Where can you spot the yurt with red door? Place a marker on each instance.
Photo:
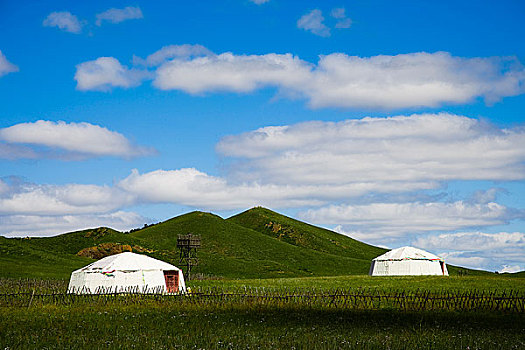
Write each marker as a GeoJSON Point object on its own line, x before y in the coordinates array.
{"type": "Point", "coordinates": [127, 273]}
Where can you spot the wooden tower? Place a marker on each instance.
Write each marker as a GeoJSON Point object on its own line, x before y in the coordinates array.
{"type": "Point", "coordinates": [188, 245]}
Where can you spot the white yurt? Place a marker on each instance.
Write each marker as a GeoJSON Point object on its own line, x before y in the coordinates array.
{"type": "Point", "coordinates": [408, 261]}
{"type": "Point", "coordinates": [127, 273]}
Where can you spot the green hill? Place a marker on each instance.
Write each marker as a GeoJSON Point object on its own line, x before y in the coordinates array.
{"type": "Point", "coordinates": [257, 243]}
{"type": "Point", "coordinates": [233, 250]}
{"type": "Point", "coordinates": [52, 257]}
{"type": "Point", "coordinates": [303, 235]}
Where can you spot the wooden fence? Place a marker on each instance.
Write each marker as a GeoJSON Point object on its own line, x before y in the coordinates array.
{"type": "Point", "coordinates": [353, 299]}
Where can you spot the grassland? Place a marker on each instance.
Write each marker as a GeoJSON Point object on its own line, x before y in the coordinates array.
{"type": "Point", "coordinates": [212, 327]}
{"type": "Point", "coordinates": [408, 283]}
{"type": "Point", "coordinates": [126, 322]}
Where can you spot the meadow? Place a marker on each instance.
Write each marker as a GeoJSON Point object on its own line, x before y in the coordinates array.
{"type": "Point", "coordinates": [247, 314]}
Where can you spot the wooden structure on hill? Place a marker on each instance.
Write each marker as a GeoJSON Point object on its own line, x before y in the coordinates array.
{"type": "Point", "coordinates": [188, 245]}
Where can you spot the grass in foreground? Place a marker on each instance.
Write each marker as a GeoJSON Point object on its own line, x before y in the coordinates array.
{"type": "Point", "coordinates": [167, 323]}
{"type": "Point", "coordinates": [216, 327]}
{"type": "Point", "coordinates": [407, 283]}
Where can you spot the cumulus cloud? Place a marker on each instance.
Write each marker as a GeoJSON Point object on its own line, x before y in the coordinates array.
{"type": "Point", "coordinates": [72, 139]}
{"type": "Point", "coordinates": [228, 72]}
{"type": "Point", "coordinates": [65, 21]}
{"type": "Point", "coordinates": [191, 187]}
{"type": "Point", "coordinates": [28, 209]}
{"type": "Point", "coordinates": [106, 73]}
{"type": "Point", "coordinates": [194, 188]}
{"type": "Point", "coordinates": [313, 22]}
{"type": "Point", "coordinates": [169, 52]}
{"type": "Point", "coordinates": [486, 196]}
{"type": "Point", "coordinates": [340, 15]}
{"type": "Point", "coordinates": [411, 80]}
{"type": "Point", "coordinates": [511, 269]}
{"type": "Point", "coordinates": [464, 241]}
{"type": "Point", "coordinates": [378, 221]}
{"type": "Point", "coordinates": [465, 259]}
{"type": "Point", "coordinates": [29, 199]}
{"type": "Point", "coordinates": [115, 15]}
{"type": "Point", "coordinates": [11, 152]}
{"type": "Point", "coordinates": [41, 226]}
{"type": "Point", "coordinates": [377, 82]}
{"type": "Point", "coordinates": [6, 66]}
{"type": "Point", "coordinates": [424, 147]}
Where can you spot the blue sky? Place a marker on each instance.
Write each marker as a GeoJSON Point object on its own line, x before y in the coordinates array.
{"type": "Point", "coordinates": [397, 123]}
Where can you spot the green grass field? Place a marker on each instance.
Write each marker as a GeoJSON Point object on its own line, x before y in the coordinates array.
{"type": "Point", "coordinates": [126, 322]}
{"type": "Point", "coordinates": [408, 283]}
{"type": "Point", "coordinates": [212, 327]}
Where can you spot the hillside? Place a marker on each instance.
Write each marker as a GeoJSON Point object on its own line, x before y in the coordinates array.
{"type": "Point", "coordinates": [53, 257]}
{"type": "Point", "coordinates": [257, 243]}
{"type": "Point", "coordinates": [232, 250]}
{"type": "Point", "coordinates": [300, 234]}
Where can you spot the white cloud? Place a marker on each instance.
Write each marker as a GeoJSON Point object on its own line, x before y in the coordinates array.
{"type": "Point", "coordinates": [504, 259]}
{"type": "Point", "coordinates": [489, 195]}
{"type": "Point", "coordinates": [343, 21]}
{"type": "Point", "coordinates": [119, 15]}
{"type": "Point", "coordinates": [64, 20]}
{"type": "Point", "coordinates": [228, 72]}
{"type": "Point", "coordinates": [259, 2]}
{"type": "Point", "coordinates": [185, 51]}
{"type": "Point", "coordinates": [511, 269]}
{"type": "Point", "coordinates": [194, 188]}
{"type": "Point", "coordinates": [377, 82]}
{"type": "Point", "coordinates": [105, 73]}
{"type": "Point", "coordinates": [11, 152]}
{"type": "Point", "coordinates": [75, 139]}
{"type": "Point", "coordinates": [40, 226]}
{"type": "Point", "coordinates": [478, 241]}
{"type": "Point", "coordinates": [410, 80]}
{"type": "Point", "coordinates": [6, 66]}
{"type": "Point", "coordinates": [28, 209]}
{"type": "Point", "coordinates": [313, 22]}
{"type": "Point", "coordinates": [426, 147]}
{"type": "Point", "coordinates": [4, 187]}
{"type": "Point", "coordinates": [465, 259]}
{"type": "Point", "coordinates": [338, 12]}
{"type": "Point", "coordinates": [58, 200]}
{"type": "Point", "coordinates": [376, 222]}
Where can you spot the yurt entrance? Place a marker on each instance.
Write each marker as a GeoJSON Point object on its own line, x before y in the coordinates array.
{"type": "Point", "coordinates": [442, 264]}
{"type": "Point", "coordinates": [172, 281]}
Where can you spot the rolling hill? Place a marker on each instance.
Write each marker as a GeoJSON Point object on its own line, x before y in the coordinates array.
{"type": "Point", "coordinates": [257, 243]}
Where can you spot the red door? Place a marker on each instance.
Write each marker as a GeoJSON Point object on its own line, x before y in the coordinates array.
{"type": "Point", "coordinates": [172, 281]}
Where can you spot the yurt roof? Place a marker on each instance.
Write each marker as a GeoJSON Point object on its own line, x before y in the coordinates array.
{"type": "Point", "coordinates": [407, 253]}
{"type": "Point", "coordinates": [128, 261]}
